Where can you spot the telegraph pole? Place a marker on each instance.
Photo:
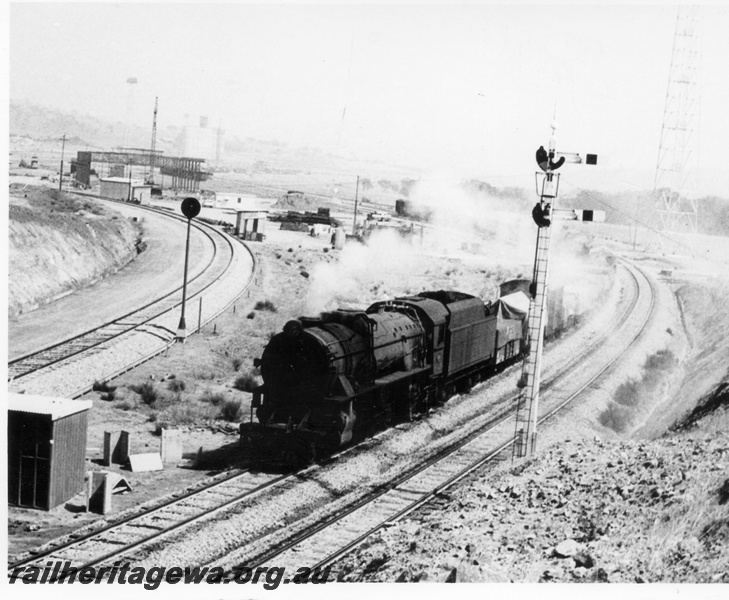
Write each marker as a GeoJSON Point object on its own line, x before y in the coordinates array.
{"type": "Point", "coordinates": [150, 179]}
{"type": "Point", "coordinates": [356, 195]}
{"type": "Point", "coordinates": [547, 182]}
{"type": "Point", "coordinates": [63, 148]}
{"type": "Point", "coordinates": [129, 195]}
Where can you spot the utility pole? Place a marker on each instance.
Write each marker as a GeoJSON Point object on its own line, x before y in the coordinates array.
{"type": "Point", "coordinates": [354, 221]}
{"type": "Point", "coordinates": [547, 182]}
{"type": "Point", "coordinates": [63, 148]}
{"type": "Point", "coordinates": [129, 196]}
{"type": "Point", "coordinates": [150, 179]}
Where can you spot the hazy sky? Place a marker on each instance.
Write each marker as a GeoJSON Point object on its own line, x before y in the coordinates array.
{"type": "Point", "coordinates": [471, 88]}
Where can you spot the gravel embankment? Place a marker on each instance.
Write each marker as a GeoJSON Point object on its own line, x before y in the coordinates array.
{"type": "Point", "coordinates": [590, 510]}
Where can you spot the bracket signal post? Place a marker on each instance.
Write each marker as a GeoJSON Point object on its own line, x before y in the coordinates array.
{"type": "Point", "coordinates": [543, 213]}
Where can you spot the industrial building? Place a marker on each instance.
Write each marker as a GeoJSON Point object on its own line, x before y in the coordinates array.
{"type": "Point", "coordinates": [46, 449]}
{"type": "Point", "coordinates": [201, 141]}
{"type": "Point", "coordinates": [237, 201]}
{"type": "Point", "coordinates": [120, 188]}
{"type": "Point", "coordinates": [185, 173]}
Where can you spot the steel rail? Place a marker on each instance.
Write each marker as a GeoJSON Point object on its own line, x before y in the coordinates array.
{"type": "Point", "coordinates": [130, 520]}
{"type": "Point", "coordinates": [174, 501]}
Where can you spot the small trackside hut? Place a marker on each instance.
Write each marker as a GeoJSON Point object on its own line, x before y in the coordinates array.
{"type": "Point", "coordinates": [46, 449]}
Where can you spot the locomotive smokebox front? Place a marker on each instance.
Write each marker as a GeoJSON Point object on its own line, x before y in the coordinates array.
{"type": "Point", "coordinates": [303, 363]}
{"type": "Point", "coordinates": [293, 360]}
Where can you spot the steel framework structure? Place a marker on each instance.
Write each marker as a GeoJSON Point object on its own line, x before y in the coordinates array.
{"type": "Point", "coordinates": [186, 173]}
{"type": "Point", "coordinates": [676, 168]}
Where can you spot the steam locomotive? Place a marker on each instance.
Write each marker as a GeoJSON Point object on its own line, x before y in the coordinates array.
{"type": "Point", "coordinates": [348, 373]}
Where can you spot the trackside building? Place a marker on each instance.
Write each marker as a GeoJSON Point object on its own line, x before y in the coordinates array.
{"type": "Point", "coordinates": [46, 449]}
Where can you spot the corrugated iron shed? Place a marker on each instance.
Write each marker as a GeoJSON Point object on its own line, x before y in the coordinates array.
{"type": "Point", "coordinates": [46, 449]}
{"type": "Point", "coordinates": [56, 408]}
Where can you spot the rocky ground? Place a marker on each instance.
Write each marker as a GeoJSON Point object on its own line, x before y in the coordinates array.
{"type": "Point", "coordinates": [584, 511]}
{"type": "Point", "coordinates": [640, 504]}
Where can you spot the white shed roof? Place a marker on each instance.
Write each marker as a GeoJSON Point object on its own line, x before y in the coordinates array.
{"type": "Point", "coordinates": [56, 408]}
{"type": "Point", "coordinates": [125, 180]}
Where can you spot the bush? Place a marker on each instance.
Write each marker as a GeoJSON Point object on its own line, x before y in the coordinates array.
{"type": "Point", "coordinates": [237, 363]}
{"type": "Point", "coordinates": [188, 413]}
{"type": "Point", "coordinates": [103, 386]}
{"type": "Point", "coordinates": [108, 396]}
{"type": "Point", "coordinates": [265, 305]}
{"type": "Point", "coordinates": [663, 359]}
{"type": "Point", "coordinates": [615, 417]}
{"type": "Point", "coordinates": [627, 393]}
{"type": "Point", "coordinates": [214, 398]}
{"type": "Point", "coordinates": [250, 315]}
{"type": "Point", "coordinates": [203, 374]}
{"type": "Point", "coordinates": [231, 411]}
{"type": "Point", "coordinates": [176, 385]}
{"type": "Point", "coordinates": [147, 391]}
{"type": "Point", "coordinates": [125, 404]}
{"type": "Point", "coordinates": [247, 382]}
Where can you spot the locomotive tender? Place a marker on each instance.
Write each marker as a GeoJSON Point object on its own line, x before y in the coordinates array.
{"type": "Point", "coordinates": [347, 373]}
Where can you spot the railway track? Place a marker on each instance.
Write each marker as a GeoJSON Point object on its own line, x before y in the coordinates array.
{"type": "Point", "coordinates": [154, 319]}
{"type": "Point", "coordinates": [332, 538]}
{"type": "Point", "coordinates": [123, 537]}
{"type": "Point", "coordinates": [50, 355]}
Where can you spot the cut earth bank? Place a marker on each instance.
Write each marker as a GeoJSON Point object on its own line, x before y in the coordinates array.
{"type": "Point", "coordinates": [61, 242]}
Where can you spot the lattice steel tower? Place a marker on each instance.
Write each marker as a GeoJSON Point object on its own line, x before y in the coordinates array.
{"type": "Point", "coordinates": [676, 171]}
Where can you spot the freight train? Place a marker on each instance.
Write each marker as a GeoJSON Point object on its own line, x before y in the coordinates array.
{"type": "Point", "coordinates": [343, 375]}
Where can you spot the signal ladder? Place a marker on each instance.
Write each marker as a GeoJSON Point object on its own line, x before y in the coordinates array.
{"type": "Point", "coordinates": [525, 434]}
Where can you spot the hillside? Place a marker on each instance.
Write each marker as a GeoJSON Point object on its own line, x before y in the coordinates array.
{"type": "Point", "coordinates": [58, 243]}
